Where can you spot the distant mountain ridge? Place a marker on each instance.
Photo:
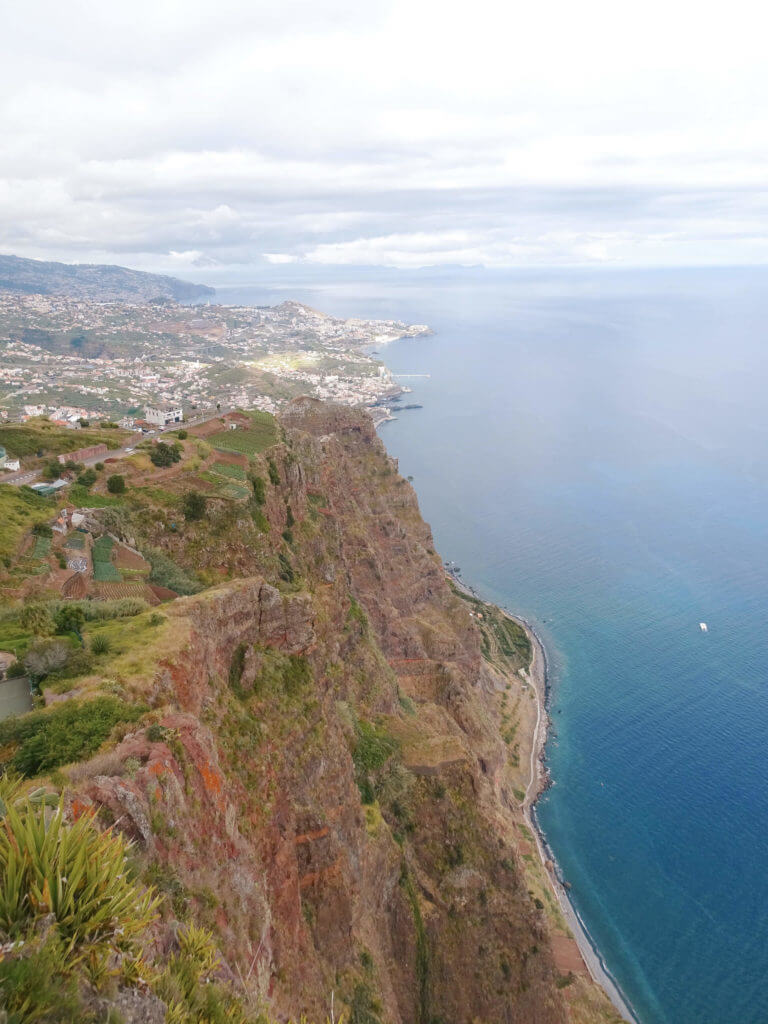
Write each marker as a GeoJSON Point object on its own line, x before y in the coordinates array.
{"type": "Point", "coordinates": [96, 282]}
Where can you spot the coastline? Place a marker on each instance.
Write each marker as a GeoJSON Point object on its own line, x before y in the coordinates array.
{"type": "Point", "coordinates": [538, 676]}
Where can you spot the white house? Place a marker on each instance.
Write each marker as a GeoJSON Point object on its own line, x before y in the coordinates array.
{"type": "Point", "coordinates": [162, 415]}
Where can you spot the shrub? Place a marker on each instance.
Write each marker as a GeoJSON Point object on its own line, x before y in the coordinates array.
{"type": "Point", "coordinates": [285, 571]}
{"type": "Point", "coordinates": [156, 619]}
{"type": "Point", "coordinates": [373, 748]}
{"type": "Point", "coordinates": [274, 475]}
{"type": "Point", "coordinates": [116, 484]}
{"type": "Point", "coordinates": [259, 489]}
{"type": "Point", "coordinates": [88, 478]}
{"type": "Point", "coordinates": [236, 667]}
{"type": "Point", "coordinates": [70, 619]}
{"type": "Point", "coordinates": [42, 530]}
{"type": "Point", "coordinates": [156, 733]}
{"type": "Point", "coordinates": [79, 663]}
{"type": "Point", "coordinates": [15, 670]}
{"type": "Point", "coordinates": [45, 657]}
{"type": "Point", "coordinates": [194, 505]}
{"type": "Point", "coordinates": [47, 739]}
{"type": "Point", "coordinates": [100, 644]}
{"type": "Point", "coordinates": [98, 466]}
{"type": "Point", "coordinates": [36, 618]}
{"type": "Point", "coordinates": [182, 435]}
{"type": "Point", "coordinates": [99, 611]}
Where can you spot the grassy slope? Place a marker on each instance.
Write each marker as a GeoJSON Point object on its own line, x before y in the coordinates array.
{"type": "Point", "coordinates": [20, 509]}
{"type": "Point", "coordinates": [24, 440]}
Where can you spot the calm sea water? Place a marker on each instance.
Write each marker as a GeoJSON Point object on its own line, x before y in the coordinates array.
{"type": "Point", "coordinates": [593, 452]}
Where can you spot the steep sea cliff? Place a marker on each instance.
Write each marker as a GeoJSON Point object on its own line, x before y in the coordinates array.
{"type": "Point", "coordinates": [332, 769]}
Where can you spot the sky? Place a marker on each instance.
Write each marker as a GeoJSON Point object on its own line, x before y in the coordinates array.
{"type": "Point", "coordinates": [214, 140]}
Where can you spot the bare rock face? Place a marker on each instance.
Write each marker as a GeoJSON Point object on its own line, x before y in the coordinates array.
{"type": "Point", "coordinates": [245, 612]}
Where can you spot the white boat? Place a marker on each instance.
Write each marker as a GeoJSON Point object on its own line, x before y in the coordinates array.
{"type": "Point", "coordinates": [703, 627]}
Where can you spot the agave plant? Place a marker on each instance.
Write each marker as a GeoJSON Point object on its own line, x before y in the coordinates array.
{"type": "Point", "coordinates": [69, 873]}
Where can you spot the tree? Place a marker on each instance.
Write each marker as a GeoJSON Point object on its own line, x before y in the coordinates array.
{"type": "Point", "coordinates": [116, 484]}
{"type": "Point", "coordinates": [42, 530]}
{"type": "Point", "coordinates": [53, 470]}
{"type": "Point", "coordinates": [182, 435]}
{"type": "Point", "coordinates": [70, 619]}
{"type": "Point", "coordinates": [165, 454]}
{"type": "Point", "coordinates": [37, 619]}
{"type": "Point", "coordinates": [194, 505]}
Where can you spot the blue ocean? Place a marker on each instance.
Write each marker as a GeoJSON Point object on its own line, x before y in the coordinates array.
{"type": "Point", "coordinates": [593, 452]}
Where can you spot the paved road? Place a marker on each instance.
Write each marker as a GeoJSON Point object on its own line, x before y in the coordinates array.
{"type": "Point", "coordinates": [22, 477]}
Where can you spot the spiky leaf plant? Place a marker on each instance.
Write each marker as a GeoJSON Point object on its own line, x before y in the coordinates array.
{"type": "Point", "coordinates": [71, 875]}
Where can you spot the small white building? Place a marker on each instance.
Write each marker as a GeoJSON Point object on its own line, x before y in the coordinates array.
{"type": "Point", "coordinates": [162, 415]}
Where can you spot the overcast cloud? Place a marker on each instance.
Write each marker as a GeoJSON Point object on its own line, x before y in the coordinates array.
{"type": "Point", "coordinates": [194, 137]}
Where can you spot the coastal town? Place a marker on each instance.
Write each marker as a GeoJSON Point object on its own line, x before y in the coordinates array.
{"type": "Point", "coordinates": [74, 360]}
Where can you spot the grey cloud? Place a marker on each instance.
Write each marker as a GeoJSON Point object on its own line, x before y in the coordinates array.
{"type": "Point", "coordinates": [330, 130]}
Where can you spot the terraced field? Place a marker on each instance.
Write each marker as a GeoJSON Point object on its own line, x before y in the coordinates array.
{"type": "Point", "coordinates": [224, 469]}
{"type": "Point", "coordinates": [105, 572]}
{"type": "Point", "coordinates": [42, 547]}
{"type": "Point", "coordinates": [234, 491]}
{"type": "Point", "coordinates": [103, 569]}
{"type": "Point", "coordinates": [261, 435]}
{"type": "Point", "coordinates": [115, 591]}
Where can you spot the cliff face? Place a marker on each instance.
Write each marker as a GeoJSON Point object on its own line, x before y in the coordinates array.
{"type": "Point", "coordinates": [327, 785]}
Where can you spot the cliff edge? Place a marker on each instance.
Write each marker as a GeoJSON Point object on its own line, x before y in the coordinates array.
{"type": "Point", "coordinates": [332, 756]}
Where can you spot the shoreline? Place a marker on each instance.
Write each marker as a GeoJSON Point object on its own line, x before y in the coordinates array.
{"type": "Point", "coordinates": [538, 676]}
